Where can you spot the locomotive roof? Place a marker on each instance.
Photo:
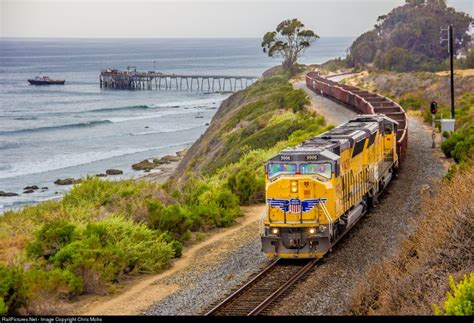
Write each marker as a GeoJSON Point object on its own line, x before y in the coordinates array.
{"type": "Point", "coordinates": [330, 144]}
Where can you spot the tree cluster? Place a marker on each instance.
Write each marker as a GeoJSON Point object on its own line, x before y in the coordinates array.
{"type": "Point", "coordinates": [409, 37]}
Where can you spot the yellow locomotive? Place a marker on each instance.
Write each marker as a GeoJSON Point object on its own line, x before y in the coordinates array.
{"type": "Point", "coordinates": [317, 191]}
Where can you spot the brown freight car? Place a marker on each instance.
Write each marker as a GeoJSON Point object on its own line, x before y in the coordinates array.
{"type": "Point", "coordinates": [363, 102]}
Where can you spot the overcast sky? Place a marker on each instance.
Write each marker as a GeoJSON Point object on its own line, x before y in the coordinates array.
{"type": "Point", "coordinates": [198, 18]}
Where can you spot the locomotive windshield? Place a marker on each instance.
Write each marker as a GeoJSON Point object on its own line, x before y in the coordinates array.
{"type": "Point", "coordinates": [277, 169]}
{"type": "Point", "coordinates": [323, 169]}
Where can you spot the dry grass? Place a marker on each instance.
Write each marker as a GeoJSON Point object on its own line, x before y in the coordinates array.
{"type": "Point", "coordinates": [468, 72]}
{"type": "Point", "coordinates": [429, 86]}
{"type": "Point", "coordinates": [410, 282]}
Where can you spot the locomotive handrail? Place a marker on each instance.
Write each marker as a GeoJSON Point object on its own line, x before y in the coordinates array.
{"type": "Point", "coordinates": [328, 217]}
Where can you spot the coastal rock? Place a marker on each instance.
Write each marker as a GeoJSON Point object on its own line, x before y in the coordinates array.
{"type": "Point", "coordinates": [67, 181]}
{"type": "Point", "coordinates": [44, 188]}
{"type": "Point", "coordinates": [181, 153]}
{"type": "Point", "coordinates": [169, 159]}
{"type": "Point", "coordinates": [28, 191]}
{"type": "Point", "coordinates": [207, 123]}
{"type": "Point", "coordinates": [6, 194]}
{"type": "Point", "coordinates": [114, 172]}
{"type": "Point", "coordinates": [33, 187]}
{"type": "Point", "coordinates": [101, 175]}
{"type": "Point", "coordinates": [145, 165]}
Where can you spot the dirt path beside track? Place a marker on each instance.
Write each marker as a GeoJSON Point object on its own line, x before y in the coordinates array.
{"type": "Point", "coordinates": [140, 294]}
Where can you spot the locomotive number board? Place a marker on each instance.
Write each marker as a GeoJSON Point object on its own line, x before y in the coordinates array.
{"type": "Point", "coordinates": [299, 157]}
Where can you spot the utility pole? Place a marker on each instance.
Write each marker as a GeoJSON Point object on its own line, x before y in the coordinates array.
{"type": "Point", "coordinates": [451, 63]}
{"type": "Point", "coordinates": [450, 40]}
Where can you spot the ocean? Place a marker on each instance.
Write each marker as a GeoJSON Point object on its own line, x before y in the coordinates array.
{"type": "Point", "coordinates": [78, 129]}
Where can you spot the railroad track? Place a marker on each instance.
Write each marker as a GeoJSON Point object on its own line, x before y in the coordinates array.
{"type": "Point", "coordinates": [261, 291]}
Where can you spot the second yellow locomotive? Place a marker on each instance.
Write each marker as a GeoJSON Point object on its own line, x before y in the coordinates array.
{"type": "Point", "coordinates": [317, 191]}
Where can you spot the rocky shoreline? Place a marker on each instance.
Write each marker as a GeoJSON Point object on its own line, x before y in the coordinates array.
{"type": "Point", "coordinates": [162, 168]}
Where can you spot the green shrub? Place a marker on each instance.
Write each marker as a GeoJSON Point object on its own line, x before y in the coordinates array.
{"type": "Point", "coordinates": [199, 236]}
{"type": "Point", "coordinates": [172, 218]}
{"type": "Point", "coordinates": [460, 144]}
{"type": "Point", "coordinates": [463, 149]}
{"type": "Point", "coordinates": [175, 245]}
{"type": "Point", "coordinates": [450, 143]}
{"type": "Point", "coordinates": [334, 64]}
{"type": "Point", "coordinates": [61, 283]}
{"type": "Point", "coordinates": [296, 100]}
{"type": "Point", "coordinates": [245, 184]}
{"type": "Point", "coordinates": [101, 250]}
{"type": "Point", "coordinates": [12, 290]}
{"type": "Point", "coordinates": [50, 238]}
{"type": "Point", "coordinates": [410, 101]}
{"type": "Point", "coordinates": [461, 300]}
{"type": "Point", "coordinates": [96, 192]}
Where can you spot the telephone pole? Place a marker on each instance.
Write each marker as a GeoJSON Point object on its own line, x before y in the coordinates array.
{"type": "Point", "coordinates": [451, 64]}
{"type": "Point", "coordinates": [450, 40]}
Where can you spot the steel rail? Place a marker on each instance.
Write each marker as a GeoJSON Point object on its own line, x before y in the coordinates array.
{"type": "Point", "coordinates": [270, 299]}
{"type": "Point", "coordinates": [241, 289]}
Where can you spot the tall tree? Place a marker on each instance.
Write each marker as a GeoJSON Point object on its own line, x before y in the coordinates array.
{"type": "Point", "coordinates": [288, 41]}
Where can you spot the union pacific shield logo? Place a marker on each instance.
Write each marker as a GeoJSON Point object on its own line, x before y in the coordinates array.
{"type": "Point", "coordinates": [295, 206]}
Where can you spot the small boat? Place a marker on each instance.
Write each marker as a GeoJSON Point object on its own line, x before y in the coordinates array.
{"type": "Point", "coordinates": [44, 80]}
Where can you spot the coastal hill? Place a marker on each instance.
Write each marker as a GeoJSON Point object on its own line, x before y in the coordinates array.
{"type": "Point", "coordinates": [262, 117]}
{"type": "Point", "coordinates": [408, 38]}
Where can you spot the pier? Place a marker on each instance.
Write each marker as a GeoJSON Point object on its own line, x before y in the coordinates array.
{"type": "Point", "coordinates": [152, 80]}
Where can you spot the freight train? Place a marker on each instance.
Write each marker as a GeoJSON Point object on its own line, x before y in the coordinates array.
{"type": "Point", "coordinates": [316, 192]}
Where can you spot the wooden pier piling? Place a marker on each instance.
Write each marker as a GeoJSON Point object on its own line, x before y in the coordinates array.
{"type": "Point", "coordinates": [135, 80]}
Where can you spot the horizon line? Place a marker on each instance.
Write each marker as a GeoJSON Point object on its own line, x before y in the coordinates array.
{"type": "Point", "coordinates": [112, 37]}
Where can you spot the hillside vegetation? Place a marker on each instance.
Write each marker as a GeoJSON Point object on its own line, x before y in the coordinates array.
{"type": "Point", "coordinates": [436, 255]}
{"type": "Point", "coordinates": [407, 38]}
{"type": "Point", "coordinates": [103, 231]}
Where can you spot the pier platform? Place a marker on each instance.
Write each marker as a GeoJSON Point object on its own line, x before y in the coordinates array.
{"type": "Point", "coordinates": [152, 80]}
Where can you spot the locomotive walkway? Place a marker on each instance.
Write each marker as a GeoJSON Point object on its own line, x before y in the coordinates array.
{"type": "Point", "coordinates": [152, 80]}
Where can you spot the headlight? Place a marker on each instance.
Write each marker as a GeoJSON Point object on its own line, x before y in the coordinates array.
{"type": "Point", "coordinates": [294, 187]}
{"type": "Point", "coordinates": [312, 230]}
{"type": "Point", "coordinates": [275, 231]}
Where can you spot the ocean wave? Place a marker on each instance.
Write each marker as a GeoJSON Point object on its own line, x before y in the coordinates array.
{"type": "Point", "coordinates": [199, 103]}
{"type": "Point", "coordinates": [145, 133]}
{"type": "Point", "coordinates": [8, 145]}
{"type": "Point", "coordinates": [64, 126]}
{"type": "Point", "coordinates": [132, 107]}
{"type": "Point", "coordinates": [25, 118]}
{"type": "Point", "coordinates": [74, 160]}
